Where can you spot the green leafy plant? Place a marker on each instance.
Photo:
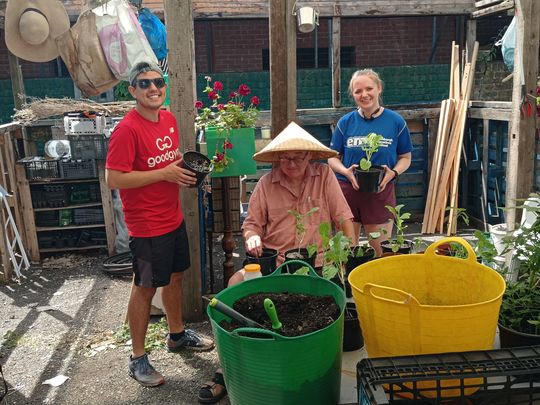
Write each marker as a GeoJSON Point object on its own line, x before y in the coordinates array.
{"type": "Point", "coordinates": [520, 308]}
{"type": "Point", "coordinates": [484, 247]}
{"type": "Point", "coordinates": [300, 224]}
{"type": "Point", "coordinates": [399, 221]}
{"type": "Point", "coordinates": [461, 213]}
{"type": "Point", "coordinates": [370, 145]}
{"type": "Point", "coordinates": [225, 116]}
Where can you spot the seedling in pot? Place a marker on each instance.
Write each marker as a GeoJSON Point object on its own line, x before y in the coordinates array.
{"type": "Point", "coordinates": [300, 224]}
{"type": "Point", "coordinates": [399, 221]}
{"type": "Point", "coordinates": [370, 145]}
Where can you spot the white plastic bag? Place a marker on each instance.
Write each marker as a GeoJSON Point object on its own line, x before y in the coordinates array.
{"type": "Point", "coordinates": [508, 44]}
{"type": "Point", "coordinates": [121, 37]}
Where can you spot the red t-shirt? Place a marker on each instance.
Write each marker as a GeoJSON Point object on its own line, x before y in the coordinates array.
{"type": "Point", "coordinates": [137, 144]}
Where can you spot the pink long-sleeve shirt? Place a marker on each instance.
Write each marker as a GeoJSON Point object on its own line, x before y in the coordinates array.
{"type": "Point", "coordinates": [274, 195]}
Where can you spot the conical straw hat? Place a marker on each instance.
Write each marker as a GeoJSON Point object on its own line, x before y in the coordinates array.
{"type": "Point", "coordinates": [294, 139]}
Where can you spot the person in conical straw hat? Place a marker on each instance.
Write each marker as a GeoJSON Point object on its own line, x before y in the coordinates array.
{"type": "Point", "coordinates": [297, 183]}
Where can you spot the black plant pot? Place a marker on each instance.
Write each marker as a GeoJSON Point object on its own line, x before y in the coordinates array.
{"type": "Point", "coordinates": [267, 260]}
{"type": "Point", "coordinates": [512, 338]}
{"type": "Point", "coordinates": [298, 254]}
{"type": "Point", "coordinates": [369, 180]}
{"type": "Point", "coordinates": [404, 249]}
{"type": "Point", "coordinates": [352, 334]}
{"type": "Point", "coordinates": [353, 262]}
{"type": "Point", "coordinates": [197, 163]}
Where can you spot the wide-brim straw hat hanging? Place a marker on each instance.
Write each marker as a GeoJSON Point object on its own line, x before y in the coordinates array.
{"type": "Point", "coordinates": [31, 27]}
{"type": "Point", "coordinates": [294, 139]}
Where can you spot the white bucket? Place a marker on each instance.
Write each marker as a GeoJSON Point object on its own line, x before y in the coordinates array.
{"type": "Point", "coordinates": [307, 19]}
{"type": "Point", "coordinates": [498, 232]}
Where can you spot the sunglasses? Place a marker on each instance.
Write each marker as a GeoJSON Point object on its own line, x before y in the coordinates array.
{"type": "Point", "coordinates": [159, 82]}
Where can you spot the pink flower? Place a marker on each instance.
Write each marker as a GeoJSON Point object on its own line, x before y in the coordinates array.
{"type": "Point", "coordinates": [255, 101]}
{"type": "Point", "coordinates": [199, 105]}
{"type": "Point", "coordinates": [233, 94]}
{"type": "Point", "coordinates": [218, 86]}
{"type": "Point", "coordinates": [220, 107]}
{"type": "Point", "coordinates": [212, 95]}
{"type": "Point", "coordinates": [244, 90]}
{"type": "Point", "coordinates": [227, 145]}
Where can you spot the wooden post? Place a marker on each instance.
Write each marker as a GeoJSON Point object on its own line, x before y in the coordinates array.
{"type": "Point", "coordinates": [282, 64]}
{"type": "Point", "coordinates": [107, 205]}
{"type": "Point", "coordinates": [180, 37]}
{"type": "Point", "coordinates": [521, 141]}
{"type": "Point", "coordinates": [17, 83]}
{"type": "Point", "coordinates": [336, 61]}
{"type": "Point", "coordinates": [470, 38]}
{"type": "Point", "coordinates": [32, 249]}
{"type": "Point", "coordinates": [228, 240]}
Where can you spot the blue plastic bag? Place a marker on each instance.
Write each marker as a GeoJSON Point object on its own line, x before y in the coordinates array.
{"type": "Point", "coordinates": [155, 32]}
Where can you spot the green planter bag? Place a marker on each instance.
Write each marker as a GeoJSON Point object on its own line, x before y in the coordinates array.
{"type": "Point", "coordinates": [276, 369]}
{"type": "Point", "coordinates": [241, 153]}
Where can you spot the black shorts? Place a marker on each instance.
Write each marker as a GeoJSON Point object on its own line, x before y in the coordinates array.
{"type": "Point", "coordinates": [156, 258]}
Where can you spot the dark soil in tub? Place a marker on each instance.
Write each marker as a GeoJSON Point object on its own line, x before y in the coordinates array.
{"type": "Point", "coordinates": [299, 314]}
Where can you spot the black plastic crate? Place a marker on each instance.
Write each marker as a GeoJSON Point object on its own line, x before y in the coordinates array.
{"type": "Point", "coordinates": [47, 218]}
{"type": "Point", "coordinates": [505, 376]}
{"type": "Point", "coordinates": [88, 147]}
{"type": "Point", "coordinates": [38, 167]}
{"type": "Point", "coordinates": [49, 195]}
{"type": "Point", "coordinates": [78, 169]}
{"type": "Point", "coordinates": [87, 216]}
{"type": "Point", "coordinates": [84, 193]}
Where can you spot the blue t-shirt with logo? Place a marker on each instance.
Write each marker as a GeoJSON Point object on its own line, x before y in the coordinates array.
{"type": "Point", "coordinates": [352, 129]}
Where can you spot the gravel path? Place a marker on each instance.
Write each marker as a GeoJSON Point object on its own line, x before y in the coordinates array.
{"type": "Point", "coordinates": [60, 320]}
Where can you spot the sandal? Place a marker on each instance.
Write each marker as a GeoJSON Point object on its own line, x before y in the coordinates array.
{"type": "Point", "coordinates": [212, 391]}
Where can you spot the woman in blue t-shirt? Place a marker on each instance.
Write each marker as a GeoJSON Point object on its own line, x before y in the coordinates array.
{"type": "Point", "coordinates": [394, 154]}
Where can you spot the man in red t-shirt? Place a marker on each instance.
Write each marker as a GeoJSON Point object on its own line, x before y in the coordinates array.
{"type": "Point", "coordinates": [142, 162]}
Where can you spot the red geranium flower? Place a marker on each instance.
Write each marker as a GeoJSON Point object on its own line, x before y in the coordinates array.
{"type": "Point", "coordinates": [243, 90]}
{"type": "Point", "coordinates": [199, 104]}
{"type": "Point", "coordinates": [218, 86]}
{"type": "Point", "coordinates": [227, 145]}
{"type": "Point", "coordinates": [254, 100]}
{"type": "Point", "coordinates": [220, 107]}
{"type": "Point", "coordinates": [233, 94]}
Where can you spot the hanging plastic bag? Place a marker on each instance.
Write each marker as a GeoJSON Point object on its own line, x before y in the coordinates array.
{"type": "Point", "coordinates": [121, 37]}
{"type": "Point", "coordinates": [508, 44]}
{"type": "Point", "coordinates": [80, 50]}
{"type": "Point", "coordinates": [155, 32]}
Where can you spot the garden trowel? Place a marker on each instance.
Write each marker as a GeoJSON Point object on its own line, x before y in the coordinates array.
{"type": "Point", "coordinates": [227, 310]}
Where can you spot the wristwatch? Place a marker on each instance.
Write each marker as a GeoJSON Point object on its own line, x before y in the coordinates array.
{"type": "Point", "coordinates": [396, 174]}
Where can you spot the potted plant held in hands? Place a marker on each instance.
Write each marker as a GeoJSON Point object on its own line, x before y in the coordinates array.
{"type": "Point", "coordinates": [229, 128]}
{"type": "Point", "coordinates": [398, 244]}
{"type": "Point", "coordinates": [368, 175]}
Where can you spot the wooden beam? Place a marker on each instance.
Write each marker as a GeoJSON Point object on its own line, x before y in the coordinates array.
{"type": "Point", "coordinates": [521, 141]}
{"type": "Point", "coordinates": [470, 38]}
{"type": "Point", "coordinates": [336, 62]}
{"type": "Point", "coordinates": [485, 3]}
{"type": "Point", "coordinates": [494, 114]}
{"type": "Point", "coordinates": [23, 188]}
{"type": "Point", "coordinates": [349, 8]}
{"type": "Point", "coordinates": [107, 206]}
{"type": "Point", "coordinates": [282, 70]}
{"type": "Point", "coordinates": [506, 5]}
{"type": "Point", "coordinates": [180, 37]}
{"type": "Point", "coordinates": [17, 83]}
{"type": "Point", "coordinates": [290, 34]}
